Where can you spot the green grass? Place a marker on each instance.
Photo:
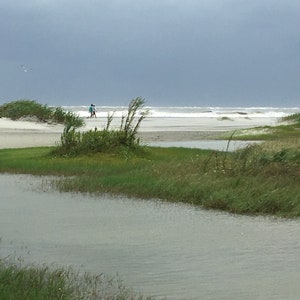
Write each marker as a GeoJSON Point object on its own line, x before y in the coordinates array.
{"type": "Point", "coordinates": [294, 118]}
{"type": "Point", "coordinates": [288, 127]}
{"type": "Point", "coordinates": [261, 179]}
{"type": "Point", "coordinates": [31, 282]}
{"type": "Point", "coordinates": [124, 139]}
{"type": "Point", "coordinates": [33, 110]}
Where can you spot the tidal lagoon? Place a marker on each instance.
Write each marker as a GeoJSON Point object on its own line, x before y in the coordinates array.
{"type": "Point", "coordinates": [163, 249]}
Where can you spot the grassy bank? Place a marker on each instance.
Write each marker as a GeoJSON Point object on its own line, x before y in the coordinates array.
{"type": "Point", "coordinates": [261, 179]}
{"type": "Point", "coordinates": [19, 282]}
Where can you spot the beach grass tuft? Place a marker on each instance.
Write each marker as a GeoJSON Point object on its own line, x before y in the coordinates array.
{"type": "Point", "coordinates": [123, 140]}
{"type": "Point", "coordinates": [31, 110]}
{"type": "Point", "coordinates": [294, 118]}
{"type": "Point", "coordinates": [33, 282]}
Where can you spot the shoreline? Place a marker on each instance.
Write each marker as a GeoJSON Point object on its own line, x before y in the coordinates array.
{"type": "Point", "coordinates": [23, 134]}
{"type": "Point", "coordinates": [25, 139]}
{"type": "Point", "coordinates": [178, 136]}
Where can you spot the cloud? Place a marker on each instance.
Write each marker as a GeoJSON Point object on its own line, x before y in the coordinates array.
{"type": "Point", "coordinates": [204, 51]}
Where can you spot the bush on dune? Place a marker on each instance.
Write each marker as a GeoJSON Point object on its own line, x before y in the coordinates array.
{"type": "Point", "coordinates": [25, 108]}
{"type": "Point", "coordinates": [16, 110]}
{"type": "Point", "coordinates": [294, 118]}
{"type": "Point", "coordinates": [74, 142]}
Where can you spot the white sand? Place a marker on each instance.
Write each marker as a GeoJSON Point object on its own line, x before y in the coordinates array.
{"type": "Point", "coordinates": [21, 134]}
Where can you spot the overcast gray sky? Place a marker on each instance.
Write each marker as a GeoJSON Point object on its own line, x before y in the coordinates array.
{"type": "Point", "coordinates": [170, 52]}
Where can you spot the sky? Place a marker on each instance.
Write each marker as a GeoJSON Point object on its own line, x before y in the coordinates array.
{"type": "Point", "coordinates": [170, 52]}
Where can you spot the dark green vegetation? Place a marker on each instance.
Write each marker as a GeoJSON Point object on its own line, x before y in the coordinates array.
{"type": "Point", "coordinates": [30, 109]}
{"type": "Point", "coordinates": [294, 118]}
{"type": "Point", "coordinates": [19, 282]}
{"type": "Point", "coordinates": [74, 142]}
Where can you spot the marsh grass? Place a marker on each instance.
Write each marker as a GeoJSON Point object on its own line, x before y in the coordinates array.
{"type": "Point", "coordinates": [294, 118]}
{"type": "Point", "coordinates": [260, 179]}
{"type": "Point", "coordinates": [19, 281]}
{"type": "Point", "coordinates": [122, 140]}
{"type": "Point", "coordinates": [288, 127]}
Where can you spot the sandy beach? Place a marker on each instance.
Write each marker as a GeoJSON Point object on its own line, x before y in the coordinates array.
{"type": "Point", "coordinates": [22, 134]}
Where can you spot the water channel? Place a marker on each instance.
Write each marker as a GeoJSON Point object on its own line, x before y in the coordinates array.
{"type": "Point", "coordinates": [220, 145]}
{"type": "Point", "coordinates": [171, 250]}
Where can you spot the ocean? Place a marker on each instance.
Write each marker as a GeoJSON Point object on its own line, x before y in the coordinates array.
{"type": "Point", "coordinates": [189, 118]}
{"type": "Point", "coordinates": [192, 112]}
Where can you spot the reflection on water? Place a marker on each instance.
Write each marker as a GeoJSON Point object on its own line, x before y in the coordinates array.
{"type": "Point", "coordinates": [176, 251]}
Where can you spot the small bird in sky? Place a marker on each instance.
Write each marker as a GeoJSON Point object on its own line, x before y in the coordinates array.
{"type": "Point", "coordinates": [24, 69]}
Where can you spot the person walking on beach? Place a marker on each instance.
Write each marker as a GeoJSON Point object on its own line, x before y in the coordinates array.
{"type": "Point", "coordinates": [92, 110]}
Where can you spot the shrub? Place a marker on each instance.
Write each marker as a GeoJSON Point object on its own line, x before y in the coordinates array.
{"type": "Point", "coordinates": [72, 121]}
{"type": "Point", "coordinates": [129, 124]}
{"type": "Point", "coordinates": [24, 108]}
{"type": "Point", "coordinates": [30, 108]}
{"type": "Point", "coordinates": [294, 118]}
{"type": "Point", "coordinates": [74, 142]}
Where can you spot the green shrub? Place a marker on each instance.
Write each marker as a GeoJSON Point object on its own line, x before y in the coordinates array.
{"type": "Point", "coordinates": [25, 108]}
{"type": "Point", "coordinates": [29, 108]}
{"type": "Point", "coordinates": [59, 115]}
{"type": "Point", "coordinates": [72, 121]}
{"type": "Point", "coordinates": [74, 142]}
{"type": "Point", "coordinates": [294, 118]}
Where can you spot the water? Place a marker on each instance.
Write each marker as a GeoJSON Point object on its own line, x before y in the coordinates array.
{"type": "Point", "coordinates": [177, 251]}
{"type": "Point", "coordinates": [192, 112]}
{"type": "Point", "coordinates": [220, 145]}
{"type": "Point", "coordinates": [189, 118]}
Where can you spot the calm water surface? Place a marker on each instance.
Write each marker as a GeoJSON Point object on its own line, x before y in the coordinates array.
{"type": "Point", "coordinates": [220, 145]}
{"type": "Point", "coordinates": [170, 250]}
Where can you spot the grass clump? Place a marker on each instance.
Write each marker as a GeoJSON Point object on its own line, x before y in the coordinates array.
{"type": "Point", "coordinates": [19, 282]}
{"type": "Point", "coordinates": [74, 142]}
{"type": "Point", "coordinates": [290, 128]}
{"type": "Point", "coordinates": [294, 118]}
{"type": "Point", "coordinates": [32, 110]}
{"type": "Point", "coordinates": [32, 283]}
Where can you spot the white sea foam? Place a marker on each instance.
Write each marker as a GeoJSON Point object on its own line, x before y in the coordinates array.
{"type": "Point", "coordinates": [192, 112]}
